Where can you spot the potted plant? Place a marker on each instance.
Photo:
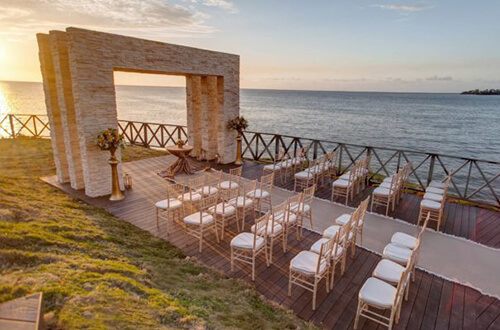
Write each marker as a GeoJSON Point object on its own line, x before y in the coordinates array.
{"type": "Point", "coordinates": [239, 123]}
{"type": "Point", "coordinates": [111, 140]}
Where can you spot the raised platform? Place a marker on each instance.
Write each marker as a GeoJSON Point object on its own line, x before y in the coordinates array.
{"type": "Point", "coordinates": [434, 303]}
{"type": "Point", "coordinates": [22, 314]}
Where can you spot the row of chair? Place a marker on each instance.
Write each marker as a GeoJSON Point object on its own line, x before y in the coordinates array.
{"type": "Point", "coordinates": [273, 227]}
{"type": "Point", "coordinates": [390, 280]}
{"type": "Point", "coordinates": [353, 181]}
{"type": "Point", "coordinates": [309, 268]}
{"type": "Point", "coordinates": [283, 165]}
{"type": "Point", "coordinates": [390, 191]}
{"type": "Point", "coordinates": [317, 171]}
{"type": "Point", "coordinates": [434, 200]}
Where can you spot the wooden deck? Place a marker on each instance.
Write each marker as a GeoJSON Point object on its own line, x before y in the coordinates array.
{"type": "Point", "coordinates": [22, 314]}
{"type": "Point", "coordinates": [434, 303]}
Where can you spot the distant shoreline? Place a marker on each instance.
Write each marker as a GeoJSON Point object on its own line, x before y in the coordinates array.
{"type": "Point", "coordinates": [482, 92]}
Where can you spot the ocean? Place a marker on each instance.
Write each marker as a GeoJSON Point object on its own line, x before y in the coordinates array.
{"type": "Point", "coordinates": [452, 124]}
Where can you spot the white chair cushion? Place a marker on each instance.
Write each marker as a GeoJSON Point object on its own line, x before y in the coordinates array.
{"type": "Point", "coordinates": [300, 207]}
{"type": "Point", "coordinates": [272, 167]}
{"type": "Point", "coordinates": [241, 201]}
{"type": "Point", "coordinates": [341, 183]}
{"type": "Point", "coordinates": [222, 209]}
{"type": "Point", "coordinates": [228, 185]}
{"type": "Point", "coordinates": [193, 197]}
{"type": "Point", "coordinates": [428, 204]}
{"type": "Point", "coordinates": [304, 175]}
{"type": "Point", "coordinates": [381, 191]}
{"type": "Point", "coordinates": [388, 271]}
{"type": "Point", "coordinates": [433, 190]}
{"type": "Point", "coordinates": [164, 204]}
{"type": "Point", "coordinates": [343, 219]}
{"type": "Point", "coordinates": [388, 179]}
{"type": "Point", "coordinates": [280, 217]}
{"type": "Point", "coordinates": [270, 232]}
{"type": "Point", "coordinates": [316, 247]}
{"type": "Point", "coordinates": [345, 177]}
{"type": "Point", "coordinates": [378, 293]}
{"type": "Point", "coordinates": [437, 184]}
{"type": "Point", "coordinates": [433, 197]}
{"type": "Point", "coordinates": [306, 262]}
{"type": "Point", "coordinates": [330, 231]}
{"type": "Point", "coordinates": [386, 185]}
{"type": "Point", "coordinates": [396, 253]}
{"type": "Point", "coordinates": [194, 219]}
{"type": "Point", "coordinates": [257, 193]}
{"type": "Point", "coordinates": [404, 240]}
{"type": "Point", "coordinates": [245, 241]}
{"type": "Point", "coordinates": [207, 190]}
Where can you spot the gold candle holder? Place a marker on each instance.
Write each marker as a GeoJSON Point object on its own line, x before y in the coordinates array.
{"type": "Point", "coordinates": [116, 193]}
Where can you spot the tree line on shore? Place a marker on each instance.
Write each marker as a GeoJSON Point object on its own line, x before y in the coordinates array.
{"type": "Point", "coordinates": [482, 92]}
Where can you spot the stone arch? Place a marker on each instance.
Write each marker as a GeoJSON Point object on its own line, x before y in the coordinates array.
{"type": "Point", "coordinates": [77, 68]}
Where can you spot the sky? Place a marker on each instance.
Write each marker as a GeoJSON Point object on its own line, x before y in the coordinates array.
{"type": "Point", "coordinates": [349, 45]}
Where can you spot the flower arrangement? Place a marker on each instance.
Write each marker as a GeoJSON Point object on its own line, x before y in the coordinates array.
{"type": "Point", "coordinates": [180, 143]}
{"type": "Point", "coordinates": [110, 139]}
{"type": "Point", "coordinates": [239, 123]}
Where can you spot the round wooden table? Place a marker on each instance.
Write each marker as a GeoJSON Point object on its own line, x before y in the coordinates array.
{"type": "Point", "coordinates": [181, 165]}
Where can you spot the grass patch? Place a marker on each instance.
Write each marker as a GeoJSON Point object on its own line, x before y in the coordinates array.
{"type": "Point", "coordinates": [99, 272]}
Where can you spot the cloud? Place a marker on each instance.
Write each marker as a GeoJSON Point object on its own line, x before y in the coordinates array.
{"type": "Point", "coordinates": [403, 7]}
{"type": "Point", "coordinates": [152, 17]}
{"type": "Point", "coordinates": [439, 78]}
{"type": "Point", "coordinates": [223, 4]}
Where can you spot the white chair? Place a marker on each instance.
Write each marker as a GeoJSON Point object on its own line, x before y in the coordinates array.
{"type": "Point", "coordinates": [276, 167]}
{"type": "Point", "coordinates": [197, 223]}
{"type": "Point", "coordinates": [377, 296]}
{"type": "Point", "coordinates": [434, 208]}
{"type": "Point", "coordinates": [344, 186]}
{"type": "Point", "coordinates": [262, 195]}
{"type": "Point", "coordinates": [409, 241]}
{"type": "Point", "coordinates": [382, 196]}
{"type": "Point", "coordinates": [244, 202]}
{"type": "Point", "coordinates": [234, 179]}
{"type": "Point", "coordinates": [337, 254]}
{"type": "Point", "coordinates": [276, 227]}
{"type": "Point", "coordinates": [307, 177]}
{"type": "Point", "coordinates": [225, 211]}
{"type": "Point", "coordinates": [304, 208]}
{"type": "Point", "coordinates": [169, 209]}
{"type": "Point", "coordinates": [308, 268]}
{"type": "Point", "coordinates": [245, 247]}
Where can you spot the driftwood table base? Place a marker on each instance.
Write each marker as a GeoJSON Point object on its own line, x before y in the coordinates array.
{"type": "Point", "coordinates": [181, 165]}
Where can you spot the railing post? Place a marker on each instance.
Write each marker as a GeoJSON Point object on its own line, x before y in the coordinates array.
{"type": "Point", "coordinates": [179, 133]}
{"type": "Point", "coordinates": [340, 159]}
{"type": "Point", "coordinates": [315, 149]}
{"type": "Point", "coordinates": [11, 120]}
{"type": "Point", "coordinates": [277, 139]}
{"type": "Point", "coordinates": [369, 154]}
{"type": "Point", "coordinates": [399, 161]}
{"type": "Point", "coordinates": [145, 128]}
{"type": "Point", "coordinates": [431, 169]}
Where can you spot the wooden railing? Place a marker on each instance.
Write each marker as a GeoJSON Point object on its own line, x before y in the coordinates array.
{"type": "Point", "coordinates": [471, 179]}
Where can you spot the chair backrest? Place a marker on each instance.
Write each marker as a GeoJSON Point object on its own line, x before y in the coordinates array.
{"type": "Point", "coordinates": [267, 181]}
{"type": "Point", "coordinates": [352, 173]}
{"type": "Point", "coordinates": [235, 175]}
{"type": "Point", "coordinates": [335, 243]}
{"type": "Point", "coordinates": [294, 203]}
{"type": "Point", "coordinates": [245, 188]}
{"type": "Point", "coordinates": [446, 185]}
{"type": "Point", "coordinates": [229, 194]}
{"type": "Point", "coordinates": [394, 183]}
{"type": "Point", "coordinates": [261, 228]}
{"type": "Point", "coordinates": [213, 178]}
{"type": "Point", "coordinates": [308, 194]}
{"type": "Point", "coordinates": [280, 211]}
{"type": "Point", "coordinates": [198, 182]}
{"type": "Point", "coordinates": [209, 202]}
{"type": "Point", "coordinates": [325, 255]}
{"type": "Point", "coordinates": [363, 208]}
{"type": "Point", "coordinates": [422, 230]}
{"type": "Point", "coordinates": [354, 220]}
{"type": "Point", "coordinates": [403, 282]}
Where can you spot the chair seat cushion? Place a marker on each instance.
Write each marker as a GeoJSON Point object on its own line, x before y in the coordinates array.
{"type": "Point", "coordinates": [272, 167]}
{"type": "Point", "coordinates": [228, 185]}
{"type": "Point", "coordinates": [377, 293]}
{"type": "Point", "coordinates": [306, 262]}
{"type": "Point", "coordinates": [171, 204]}
{"type": "Point", "coordinates": [343, 219]}
{"type": "Point", "coordinates": [341, 183]}
{"type": "Point", "coordinates": [258, 193]}
{"type": "Point", "coordinates": [300, 207]}
{"type": "Point", "coordinates": [437, 184]}
{"type": "Point", "coordinates": [434, 190]}
{"type": "Point", "coordinates": [404, 240]}
{"type": "Point", "coordinates": [280, 217]}
{"type": "Point", "coordinates": [382, 191]}
{"type": "Point", "coordinates": [386, 185]}
{"type": "Point", "coordinates": [346, 177]}
{"type": "Point", "coordinates": [388, 271]}
{"type": "Point", "coordinates": [245, 241]}
{"type": "Point", "coordinates": [396, 253]}
{"type": "Point", "coordinates": [207, 190]}
{"type": "Point", "coordinates": [194, 219]}
{"type": "Point", "coordinates": [223, 209]}
{"type": "Point", "coordinates": [316, 247]}
{"type": "Point", "coordinates": [271, 232]}
{"type": "Point", "coordinates": [241, 201]}
{"type": "Point", "coordinates": [331, 231]}
{"type": "Point", "coordinates": [433, 197]}
{"type": "Point", "coordinates": [190, 197]}
{"type": "Point", "coordinates": [304, 175]}
{"type": "Point", "coordinates": [428, 204]}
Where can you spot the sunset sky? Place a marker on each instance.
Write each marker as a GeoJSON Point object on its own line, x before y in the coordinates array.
{"type": "Point", "coordinates": [361, 45]}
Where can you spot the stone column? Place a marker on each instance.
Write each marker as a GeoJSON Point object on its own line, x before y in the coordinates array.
{"type": "Point", "coordinates": [211, 117]}
{"type": "Point", "coordinates": [53, 111]}
{"type": "Point", "coordinates": [65, 95]}
{"type": "Point", "coordinates": [195, 113]}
